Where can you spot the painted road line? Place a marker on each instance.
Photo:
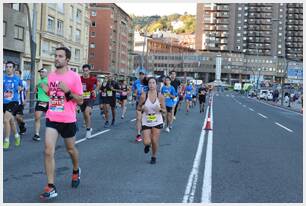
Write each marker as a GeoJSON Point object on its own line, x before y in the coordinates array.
{"type": "Point", "coordinates": [193, 176]}
{"type": "Point", "coordinates": [80, 140]}
{"type": "Point", "coordinates": [283, 127]}
{"type": "Point", "coordinates": [244, 105]}
{"type": "Point", "coordinates": [92, 136]}
{"type": "Point", "coordinates": [207, 178]}
{"type": "Point", "coordinates": [262, 115]}
{"type": "Point", "coordinates": [251, 109]}
{"type": "Point", "coordinates": [133, 120]}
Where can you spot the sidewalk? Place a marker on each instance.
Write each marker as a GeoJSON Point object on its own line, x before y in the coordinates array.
{"type": "Point", "coordinates": [294, 106]}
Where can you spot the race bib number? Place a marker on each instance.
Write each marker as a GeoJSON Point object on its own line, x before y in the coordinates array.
{"type": "Point", "coordinates": [151, 118]}
{"type": "Point", "coordinates": [109, 93]}
{"type": "Point", "coordinates": [188, 93]}
{"type": "Point", "coordinates": [8, 95]}
{"type": "Point", "coordinates": [167, 95]}
{"type": "Point", "coordinates": [86, 95]}
{"type": "Point", "coordinates": [84, 87]}
{"type": "Point", "coordinates": [43, 104]}
{"type": "Point", "coordinates": [57, 104]}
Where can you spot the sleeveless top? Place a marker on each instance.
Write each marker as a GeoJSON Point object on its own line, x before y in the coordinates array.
{"type": "Point", "coordinates": [151, 118]}
{"type": "Point", "coordinates": [124, 90]}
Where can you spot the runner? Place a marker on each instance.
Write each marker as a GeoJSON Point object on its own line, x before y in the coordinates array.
{"type": "Point", "coordinates": [194, 94]}
{"type": "Point", "coordinates": [108, 99]}
{"type": "Point", "coordinates": [42, 103]}
{"type": "Point", "coordinates": [152, 106]}
{"type": "Point", "coordinates": [125, 91]}
{"type": "Point", "coordinates": [188, 96]}
{"type": "Point", "coordinates": [176, 84]}
{"type": "Point", "coordinates": [89, 95]}
{"type": "Point", "coordinates": [169, 93]}
{"type": "Point", "coordinates": [21, 104]}
{"type": "Point", "coordinates": [202, 96]}
{"type": "Point", "coordinates": [65, 91]}
{"type": "Point", "coordinates": [11, 86]}
{"type": "Point", "coordinates": [181, 96]}
{"type": "Point", "coordinates": [139, 86]}
{"type": "Point", "coordinates": [115, 88]}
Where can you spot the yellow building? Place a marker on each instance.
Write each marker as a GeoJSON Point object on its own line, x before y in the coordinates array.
{"type": "Point", "coordinates": [57, 25]}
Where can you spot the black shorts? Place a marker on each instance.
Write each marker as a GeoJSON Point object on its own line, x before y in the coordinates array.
{"type": "Point", "coordinates": [122, 98]}
{"type": "Point", "coordinates": [194, 96]}
{"type": "Point", "coordinates": [137, 105]}
{"type": "Point", "coordinates": [19, 110]}
{"type": "Point", "coordinates": [87, 103]}
{"type": "Point", "coordinates": [108, 100]}
{"type": "Point", "coordinates": [144, 127]}
{"type": "Point", "coordinates": [66, 130]}
{"type": "Point", "coordinates": [169, 109]}
{"type": "Point", "coordinates": [10, 107]}
{"type": "Point", "coordinates": [41, 106]}
{"type": "Point", "coordinates": [202, 99]}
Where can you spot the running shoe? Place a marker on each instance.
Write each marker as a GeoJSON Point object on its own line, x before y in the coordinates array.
{"type": "Point", "coordinates": [76, 179]}
{"type": "Point", "coordinates": [88, 133]}
{"type": "Point", "coordinates": [167, 129]}
{"type": "Point", "coordinates": [122, 117]}
{"type": "Point", "coordinates": [17, 140]}
{"type": "Point", "coordinates": [49, 193]}
{"type": "Point", "coordinates": [174, 118]}
{"type": "Point", "coordinates": [6, 144]}
{"type": "Point", "coordinates": [153, 160]}
{"type": "Point", "coordinates": [147, 149]}
{"type": "Point", "coordinates": [22, 129]}
{"type": "Point", "coordinates": [36, 137]}
{"type": "Point", "coordinates": [138, 138]}
{"type": "Point", "coordinates": [106, 125]}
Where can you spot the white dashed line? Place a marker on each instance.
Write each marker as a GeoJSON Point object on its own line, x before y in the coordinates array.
{"type": "Point", "coordinates": [283, 127]}
{"type": "Point", "coordinates": [251, 109]}
{"type": "Point", "coordinates": [244, 105]}
{"type": "Point", "coordinates": [92, 136]}
{"type": "Point", "coordinates": [262, 115]}
{"type": "Point", "coordinates": [133, 120]}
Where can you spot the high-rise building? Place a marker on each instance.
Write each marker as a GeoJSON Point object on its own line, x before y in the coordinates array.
{"type": "Point", "coordinates": [254, 28]}
{"type": "Point", "coordinates": [111, 39]}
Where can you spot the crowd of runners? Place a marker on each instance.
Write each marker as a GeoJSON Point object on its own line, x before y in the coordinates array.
{"type": "Point", "coordinates": [62, 93]}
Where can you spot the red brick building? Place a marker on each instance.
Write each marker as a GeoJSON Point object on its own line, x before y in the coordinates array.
{"type": "Point", "coordinates": [109, 39]}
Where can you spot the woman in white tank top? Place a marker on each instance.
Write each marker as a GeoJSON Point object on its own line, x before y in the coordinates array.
{"type": "Point", "coordinates": [152, 105]}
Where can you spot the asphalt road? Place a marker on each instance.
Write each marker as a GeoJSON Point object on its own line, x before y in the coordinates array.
{"type": "Point", "coordinates": [244, 158]}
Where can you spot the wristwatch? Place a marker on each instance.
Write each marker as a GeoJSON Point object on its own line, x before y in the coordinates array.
{"type": "Point", "coordinates": [68, 95]}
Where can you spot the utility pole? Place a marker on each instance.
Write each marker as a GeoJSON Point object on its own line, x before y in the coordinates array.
{"type": "Point", "coordinates": [32, 32]}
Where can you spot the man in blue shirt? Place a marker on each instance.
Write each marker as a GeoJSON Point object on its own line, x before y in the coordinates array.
{"type": "Point", "coordinates": [170, 94]}
{"type": "Point", "coordinates": [139, 86]}
{"type": "Point", "coordinates": [11, 87]}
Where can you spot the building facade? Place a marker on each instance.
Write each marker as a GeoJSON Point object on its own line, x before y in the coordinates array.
{"type": "Point", "coordinates": [14, 27]}
{"type": "Point", "coordinates": [111, 39]}
{"type": "Point", "coordinates": [58, 25]}
{"type": "Point", "coordinates": [254, 28]}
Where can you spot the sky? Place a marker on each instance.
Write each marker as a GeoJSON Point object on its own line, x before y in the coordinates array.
{"type": "Point", "coordinates": [159, 8]}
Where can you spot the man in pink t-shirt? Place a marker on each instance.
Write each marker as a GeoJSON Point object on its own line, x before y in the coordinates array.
{"type": "Point", "coordinates": [65, 92]}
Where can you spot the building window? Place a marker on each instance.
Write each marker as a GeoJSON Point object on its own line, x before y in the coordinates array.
{"type": "Point", "coordinates": [93, 13]}
{"type": "Point", "coordinates": [77, 54]}
{"type": "Point", "coordinates": [239, 8]}
{"type": "Point", "coordinates": [93, 34]}
{"type": "Point", "coordinates": [92, 45]}
{"type": "Point", "coordinates": [16, 7]}
{"type": "Point", "coordinates": [4, 28]}
{"type": "Point", "coordinates": [71, 12]}
{"type": "Point", "coordinates": [77, 35]}
{"type": "Point", "coordinates": [93, 24]}
{"type": "Point", "coordinates": [19, 30]}
{"type": "Point", "coordinates": [92, 54]}
{"type": "Point", "coordinates": [279, 46]}
{"type": "Point", "coordinates": [78, 15]}
{"type": "Point", "coordinates": [50, 24]}
{"type": "Point", "coordinates": [60, 27]}
{"type": "Point", "coordinates": [280, 34]}
{"type": "Point", "coordinates": [70, 33]}
{"type": "Point", "coordinates": [60, 7]}
{"type": "Point", "coordinates": [45, 47]}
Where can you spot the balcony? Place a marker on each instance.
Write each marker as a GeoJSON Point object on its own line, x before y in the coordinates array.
{"type": "Point", "coordinates": [222, 28]}
{"type": "Point", "coordinates": [222, 14]}
{"type": "Point", "coordinates": [223, 8]}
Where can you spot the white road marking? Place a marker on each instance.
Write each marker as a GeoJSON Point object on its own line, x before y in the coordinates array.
{"type": "Point", "coordinates": [244, 105]}
{"type": "Point", "coordinates": [251, 109]}
{"type": "Point", "coordinates": [92, 136]}
{"type": "Point", "coordinates": [283, 127]}
{"type": "Point", "coordinates": [262, 115]}
{"type": "Point", "coordinates": [193, 176]}
{"type": "Point", "coordinates": [80, 140]}
{"type": "Point", "coordinates": [227, 95]}
{"type": "Point", "coordinates": [207, 178]}
{"type": "Point", "coordinates": [133, 120]}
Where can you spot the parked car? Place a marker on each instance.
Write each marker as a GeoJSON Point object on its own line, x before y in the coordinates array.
{"type": "Point", "coordinates": [269, 96]}
{"type": "Point", "coordinates": [252, 93]}
{"type": "Point", "coordinates": [262, 94]}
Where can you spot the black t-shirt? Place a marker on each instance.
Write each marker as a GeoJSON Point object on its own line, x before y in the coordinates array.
{"type": "Point", "coordinates": [175, 83]}
{"type": "Point", "coordinates": [106, 90]}
{"type": "Point", "coordinates": [202, 92]}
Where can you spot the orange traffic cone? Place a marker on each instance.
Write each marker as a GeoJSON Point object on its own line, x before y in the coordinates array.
{"type": "Point", "coordinates": [208, 122]}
